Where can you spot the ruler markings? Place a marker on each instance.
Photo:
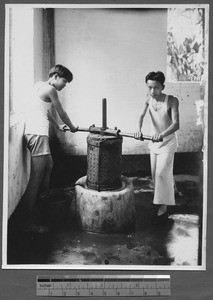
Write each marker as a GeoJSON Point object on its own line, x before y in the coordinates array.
{"type": "Point", "coordinates": [106, 285]}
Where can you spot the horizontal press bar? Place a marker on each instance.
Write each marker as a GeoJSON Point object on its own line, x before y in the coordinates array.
{"type": "Point", "coordinates": [112, 132]}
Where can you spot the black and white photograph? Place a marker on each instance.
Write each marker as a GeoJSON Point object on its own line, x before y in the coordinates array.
{"type": "Point", "coordinates": [105, 136]}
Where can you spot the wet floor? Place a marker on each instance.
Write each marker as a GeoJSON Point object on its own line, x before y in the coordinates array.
{"type": "Point", "coordinates": [176, 242]}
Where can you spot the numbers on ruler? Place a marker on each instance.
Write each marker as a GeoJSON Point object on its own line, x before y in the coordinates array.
{"type": "Point", "coordinates": [124, 287]}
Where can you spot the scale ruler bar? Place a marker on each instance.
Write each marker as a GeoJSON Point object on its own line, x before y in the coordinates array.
{"type": "Point", "coordinates": [103, 285]}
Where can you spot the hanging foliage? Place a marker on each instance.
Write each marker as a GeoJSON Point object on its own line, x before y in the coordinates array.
{"type": "Point", "coordinates": [185, 44]}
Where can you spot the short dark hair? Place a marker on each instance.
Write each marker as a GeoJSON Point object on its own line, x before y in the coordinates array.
{"type": "Point", "coordinates": [157, 76]}
{"type": "Point", "coordinates": [61, 71]}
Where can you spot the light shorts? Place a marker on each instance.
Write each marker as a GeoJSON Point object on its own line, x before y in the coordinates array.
{"type": "Point", "coordinates": [38, 144]}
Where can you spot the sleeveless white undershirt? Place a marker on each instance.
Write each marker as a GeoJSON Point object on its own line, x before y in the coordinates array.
{"type": "Point", "coordinates": [36, 120]}
{"type": "Point", "coordinates": [161, 120]}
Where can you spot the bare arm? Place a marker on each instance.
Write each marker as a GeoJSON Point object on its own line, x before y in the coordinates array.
{"type": "Point", "coordinates": [143, 113]}
{"type": "Point", "coordinates": [58, 107]}
{"type": "Point", "coordinates": [54, 122]}
{"type": "Point", "coordinates": [52, 119]}
{"type": "Point", "coordinates": [138, 135]}
{"type": "Point", "coordinates": [174, 106]}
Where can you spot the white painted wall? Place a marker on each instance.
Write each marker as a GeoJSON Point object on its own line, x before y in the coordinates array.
{"type": "Point", "coordinates": [22, 73]}
{"type": "Point", "coordinates": [110, 51]}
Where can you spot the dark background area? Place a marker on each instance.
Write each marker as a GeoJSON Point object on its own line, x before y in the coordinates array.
{"type": "Point", "coordinates": [21, 284]}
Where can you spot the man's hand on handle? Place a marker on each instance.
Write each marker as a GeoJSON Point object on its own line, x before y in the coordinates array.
{"type": "Point", "coordinates": [157, 137]}
{"type": "Point", "coordinates": [138, 135]}
{"type": "Point", "coordinates": [64, 128]}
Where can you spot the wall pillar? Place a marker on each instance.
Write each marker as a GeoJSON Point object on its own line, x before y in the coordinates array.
{"type": "Point", "coordinates": [48, 41]}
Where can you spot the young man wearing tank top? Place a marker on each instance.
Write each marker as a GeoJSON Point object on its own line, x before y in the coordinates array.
{"type": "Point", "coordinates": [37, 139]}
{"type": "Point", "coordinates": [164, 113]}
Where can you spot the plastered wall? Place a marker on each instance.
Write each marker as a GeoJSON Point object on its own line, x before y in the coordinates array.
{"type": "Point", "coordinates": [110, 52]}
{"type": "Point", "coordinates": [21, 77]}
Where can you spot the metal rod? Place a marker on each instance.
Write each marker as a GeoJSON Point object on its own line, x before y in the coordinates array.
{"type": "Point", "coordinates": [131, 135]}
{"type": "Point", "coordinates": [144, 137]}
{"type": "Point", "coordinates": [112, 132]}
{"type": "Point", "coordinates": [104, 113]}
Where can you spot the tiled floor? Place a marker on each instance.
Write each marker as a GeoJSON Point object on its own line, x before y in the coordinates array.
{"type": "Point", "coordinates": [176, 243]}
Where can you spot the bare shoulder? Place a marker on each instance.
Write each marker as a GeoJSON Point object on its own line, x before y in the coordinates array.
{"type": "Point", "coordinates": [173, 101]}
{"type": "Point", "coordinates": [44, 89]}
{"type": "Point", "coordinates": [146, 103]}
{"type": "Point", "coordinates": [42, 85]}
{"type": "Point", "coordinates": [147, 99]}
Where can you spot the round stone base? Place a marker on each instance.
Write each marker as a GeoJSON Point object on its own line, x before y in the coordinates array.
{"type": "Point", "coordinates": [105, 211]}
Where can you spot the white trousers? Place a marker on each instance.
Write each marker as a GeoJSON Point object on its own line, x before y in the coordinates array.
{"type": "Point", "coordinates": [163, 179]}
